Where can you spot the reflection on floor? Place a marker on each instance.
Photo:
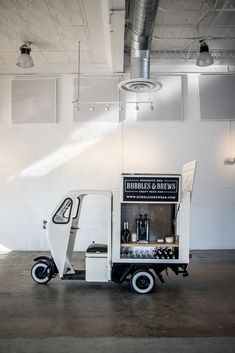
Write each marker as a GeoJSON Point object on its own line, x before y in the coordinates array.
{"type": "Point", "coordinates": [193, 314]}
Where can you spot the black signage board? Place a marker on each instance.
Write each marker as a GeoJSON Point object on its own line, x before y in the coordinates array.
{"type": "Point", "coordinates": [151, 189]}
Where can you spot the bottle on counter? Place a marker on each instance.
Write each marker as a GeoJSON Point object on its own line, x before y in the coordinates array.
{"type": "Point", "coordinates": [125, 235]}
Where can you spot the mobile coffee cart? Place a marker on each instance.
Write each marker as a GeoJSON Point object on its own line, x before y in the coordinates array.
{"type": "Point", "coordinates": [148, 232]}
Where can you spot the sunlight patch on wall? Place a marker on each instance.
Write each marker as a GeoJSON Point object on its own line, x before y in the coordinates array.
{"type": "Point", "coordinates": [65, 153]}
{"type": "Point", "coordinates": [56, 159]}
{"type": "Point", "coordinates": [95, 129]}
{"type": "Point", "coordinates": [4, 248]}
{"type": "Point", "coordinates": [11, 178]}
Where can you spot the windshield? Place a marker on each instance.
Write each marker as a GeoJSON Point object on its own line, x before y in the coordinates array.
{"type": "Point", "coordinates": [62, 215]}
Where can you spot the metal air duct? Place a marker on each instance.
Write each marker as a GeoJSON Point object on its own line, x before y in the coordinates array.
{"type": "Point", "coordinates": [142, 29]}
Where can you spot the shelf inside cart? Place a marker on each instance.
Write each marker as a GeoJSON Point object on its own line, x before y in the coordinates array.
{"type": "Point", "coordinates": [149, 245]}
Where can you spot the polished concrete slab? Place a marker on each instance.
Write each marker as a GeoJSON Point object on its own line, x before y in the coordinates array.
{"type": "Point", "coordinates": [192, 314]}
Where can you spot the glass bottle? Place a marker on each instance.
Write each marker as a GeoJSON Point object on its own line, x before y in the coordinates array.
{"type": "Point", "coordinates": [125, 236]}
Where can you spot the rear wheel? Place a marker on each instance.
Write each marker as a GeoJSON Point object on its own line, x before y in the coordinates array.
{"type": "Point", "coordinates": [41, 272]}
{"type": "Point", "coordinates": [142, 281]}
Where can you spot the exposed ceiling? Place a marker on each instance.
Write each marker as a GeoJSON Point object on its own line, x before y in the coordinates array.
{"type": "Point", "coordinates": [56, 26]}
{"type": "Point", "coordinates": [180, 24]}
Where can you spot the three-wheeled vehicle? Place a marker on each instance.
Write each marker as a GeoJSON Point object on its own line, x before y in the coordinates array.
{"type": "Point", "coordinates": [148, 232]}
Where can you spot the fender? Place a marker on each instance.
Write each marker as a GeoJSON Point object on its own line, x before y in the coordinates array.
{"type": "Point", "coordinates": [43, 258]}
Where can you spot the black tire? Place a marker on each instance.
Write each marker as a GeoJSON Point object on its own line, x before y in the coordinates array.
{"type": "Point", "coordinates": [142, 281]}
{"type": "Point", "coordinates": [40, 272]}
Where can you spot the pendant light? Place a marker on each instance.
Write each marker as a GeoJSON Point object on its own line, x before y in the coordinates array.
{"type": "Point", "coordinates": [25, 60]}
{"type": "Point", "coordinates": [204, 58]}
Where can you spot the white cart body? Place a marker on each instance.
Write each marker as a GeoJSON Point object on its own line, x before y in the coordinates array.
{"type": "Point", "coordinates": [61, 231]}
{"type": "Point", "coordinates": [115, 262]}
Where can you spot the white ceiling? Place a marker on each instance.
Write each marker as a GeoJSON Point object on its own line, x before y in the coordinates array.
{"type": "Point", "coordinates": [56, 26]}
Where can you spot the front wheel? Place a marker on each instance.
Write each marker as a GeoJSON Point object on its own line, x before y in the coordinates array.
{"type": "Point", "coordinates": [142, 281]}
{"type": "Point", "coordinates": [41, 272]}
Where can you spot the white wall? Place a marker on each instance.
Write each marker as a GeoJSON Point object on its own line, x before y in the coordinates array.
{"type": "Point", "coordinates": [41, 162]}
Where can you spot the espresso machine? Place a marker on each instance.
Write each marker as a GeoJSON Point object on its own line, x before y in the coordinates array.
{"type": "Point", "coordinates": [142, 229]}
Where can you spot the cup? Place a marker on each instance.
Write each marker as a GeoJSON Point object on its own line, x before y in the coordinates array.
{"type": "Point", "coordinates": [133, 237]}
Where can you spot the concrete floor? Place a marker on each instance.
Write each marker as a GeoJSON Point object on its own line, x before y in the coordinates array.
{"type": "Point", "coordinates": [193, 314]}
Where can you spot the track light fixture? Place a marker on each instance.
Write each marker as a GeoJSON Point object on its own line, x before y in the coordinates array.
{"type": "Point", "coordinates": [204, 58]}
{"type": "Point", "coordinates": [107, 106]}
{"type": "Point", "coordinates": [25, 60]}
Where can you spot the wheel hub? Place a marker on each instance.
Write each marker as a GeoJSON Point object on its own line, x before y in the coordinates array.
{"type": "Point", "coordinates": [41, 272]}
{"type": "Point", "coordinates": [143, 282]}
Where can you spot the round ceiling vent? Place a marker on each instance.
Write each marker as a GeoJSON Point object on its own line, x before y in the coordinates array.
{"type": "Point", "coordinates": [139, 85]}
